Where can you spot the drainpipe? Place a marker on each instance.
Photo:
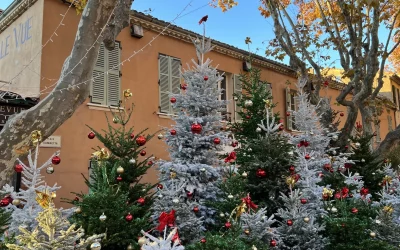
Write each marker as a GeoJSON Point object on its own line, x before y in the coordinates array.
{"type": "Point", "coordinates": [9, 8]}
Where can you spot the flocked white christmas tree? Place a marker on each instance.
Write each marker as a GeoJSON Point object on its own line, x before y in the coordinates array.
{"type": "Point", "coordinates": [23, 204]}
{"type": "Point", "coordinates": [165, 243]}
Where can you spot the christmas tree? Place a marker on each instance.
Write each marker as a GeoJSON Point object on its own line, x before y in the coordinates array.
{"type": "Point", "coordinates": [194, 141]}
{"type": "Point", "coordinates": [22, 204]}
{"type": "Point", "coordinates": [53, 231]}
{"type": "Point", "coordinates": [117, 202]}
{"type": "Point", "coordinates": [152, 243]}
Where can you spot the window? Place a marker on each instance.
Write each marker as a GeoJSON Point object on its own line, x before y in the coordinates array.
{"type": "Point", "coordinates": [394, 94]}
{"type": "Point", "coordinates": [106, 83]}
{"type": "Point", "coordinates": [237, 89]}
{"type": "Point", "coordinates": [223, 86]}
{"type": "Point", "coordinates": [291, 105]}
{"type": "Point", "coordinates": [398, 97]}
{"type": "Point", "coordinates": [169, 81]}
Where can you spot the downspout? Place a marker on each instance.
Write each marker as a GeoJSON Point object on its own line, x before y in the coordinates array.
{"type": "Point", "coordinates": [9, 8]}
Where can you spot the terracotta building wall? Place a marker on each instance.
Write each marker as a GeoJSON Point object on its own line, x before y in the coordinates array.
{"type": "Point", "coordinates": [140, 75]}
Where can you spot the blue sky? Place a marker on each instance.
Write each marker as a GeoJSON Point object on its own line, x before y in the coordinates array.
{"type": "Point", "coordinates": [231, 27]}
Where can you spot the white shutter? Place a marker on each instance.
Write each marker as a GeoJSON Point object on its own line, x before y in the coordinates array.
{"type": "Point", "coordinates": [97, 90]}
{"type": "Point", "coordinates": [163, 81]}
{"type": "Point", "coordinates": [289, 123]}
{"type": "Point", "coordinates": [175, 77]}
{"type": "Point", "coordinates": [237, 89]}
{"type": "Point", "coordinates": [113, 76]}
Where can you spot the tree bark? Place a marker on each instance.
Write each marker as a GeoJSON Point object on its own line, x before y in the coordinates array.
{"type": "Point", "coordinates": [391, 140]}
{"type": "Point", "coordinates": [65, 98]}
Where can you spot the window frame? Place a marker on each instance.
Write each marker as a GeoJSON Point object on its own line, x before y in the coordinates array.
{"type": "Point", "coordinates": [170, 111]}
{"type": "Point", "coordinates": [107, 69]}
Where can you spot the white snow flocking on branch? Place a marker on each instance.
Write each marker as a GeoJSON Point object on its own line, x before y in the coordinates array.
{"type": "Point", "coordinates": [152, 243]}
{"type": "Point", "coordinates": [25, 213]}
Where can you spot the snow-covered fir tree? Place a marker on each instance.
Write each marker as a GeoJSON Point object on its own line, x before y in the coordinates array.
{"type": "Point", "coordinates": [164, 243]}
{"type": "Point", "coordinates": [23, 205]}
{"type": "Point", "coordinates": [196, 138]}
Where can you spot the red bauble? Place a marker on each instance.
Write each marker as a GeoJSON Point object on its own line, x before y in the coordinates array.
{"type": "Point", "coordinates": [364, 191]}
{"type": "Point", "coordinates": [234, 144]}
{"type": "Point", "coordinates": [172, 132]}
{"type": "Point", "coordinates": [18, 168]}
{"type": "Point", "coordinates": [141, 140]}
{"type": "Point", "coordinates": [307, 157]}
{"type": "Point", "coordinates": [129, 217]}
{"type": "Point", "coordinates": [203, 240]}
{"type": "Point", "coordinates": [205, 78]}
{"type": "Point", "coordinates": [91, 135]}
{"type": "Point", "coordinates": [5, 201]}
{"type": "Point", "coordinates": [173, 100]}
{"type": "Point", "coordinates": [76, 198]}
{"type": "Point", "coordinates": [303, 201]}
{"type": "Point", "coordinates": [196, 128]}
{"type": "Point", "coordinates": [289, 222]}
{"type": "Point", "coordinates": [142, 153]}
{"type": "Point", "coordinates": [291, 168]}
{"type": "Point", "coordinates": [184, 86]}
{"type": "Point", "coordinates": [306, 143]}
{"type": "Point", "coordinates": [189, 194]}
{"type": "Point", "coordinates": [327, 167]}
{"type": "Point", "coordinates": [261, 173]}
{"type": "Point", "coordinates": [345, 190]}
{"type": "Point", "coordinates": [273, 243]}
{"type": "Point", "coordinates": [326, 83]}
{"type": "Point", "coordinates": [119, 178]}
{"type": "Point", "coordinates": [132, 135]}
{"type": "Point", "coordinates": [196, 209]}
{"type": "Point", "coordinates": [228, 225]}
{"type": "Point", "coordinates": [338, 196]}
{"type": "Point", "coordinates": [296, 177]}
{"type": "Point", "coordinates": [160, 186]}
{"type": "Point", "coordinates": [342, 114]}
{"type": "Point", "coordinates": [281, 127]}
{"type": "Point", "coordinates": [346, 147]}
{"type": "Point", "coordinates": [141, 201]}
{"type": "Point", "coordinates": [248, 116]}
{"type": "Point", "coordinates": [217, 141]}
{"type": "Point", "coordinates": [354, 210]}
{"type": "Point", "coordinates": [288, 113]}
{"type": "Point", "coordinates": [150, 163]}
{"type": "Point", "coordinates": [55, 160]}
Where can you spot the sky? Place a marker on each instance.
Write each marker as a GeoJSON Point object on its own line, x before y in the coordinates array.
{"type": "Point", "coordinates": [231, 27]}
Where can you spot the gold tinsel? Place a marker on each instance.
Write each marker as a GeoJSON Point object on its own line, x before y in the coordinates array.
{"type": "Point", "coordinates": [44, 199]}
{"type": "Point", "coordinates": [388, 209]}
{"type": "Point", "coordinates": [101, 155]}
{"type": "Point", "coordinates": [172, 175]}
{"type": "Point", "coordinates": [267, 103]}
{"type": "Point", "coordinates": [327, 192]}
{"type": "Point", "coordinates": [290, 180]}
{"type": "Point", "coordinates": [387, 179]}
{"type": "Point", "coordinates": [36, 137]}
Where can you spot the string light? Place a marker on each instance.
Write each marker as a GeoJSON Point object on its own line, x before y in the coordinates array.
{"type": "Point", "coordinates": [43, 46]}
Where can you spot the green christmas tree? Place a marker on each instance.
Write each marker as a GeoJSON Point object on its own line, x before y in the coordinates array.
{"type": "Point", "coordinates": [117, 203]}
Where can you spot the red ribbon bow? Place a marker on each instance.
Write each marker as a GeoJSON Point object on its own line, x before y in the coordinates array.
{"type": "Point", "coordinates": [203, 19]}
{"type": "Point", "coordinates": [231, 157]}
{"type": "Point", "coordinates": [166, 219]}
{"type": "Point", "coordinates": [249, 203]}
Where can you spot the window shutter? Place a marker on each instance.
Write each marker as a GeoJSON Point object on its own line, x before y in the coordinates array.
{"type": "Point", "coordinates": [163, 67]}
{"type": "Point", "coordinates": [237, 89]}
{"type": "Point", "coordinates": [97, 90]}
{"type": "Point", "coordinates": [175, 77]}
{"type": "Point", "coordinates": [289, 123]}
{"type": "Point", "coordinates": [390, 123]}
{"type": "Point", "coordinates": [113, 76]}
{"type": "Point", "coordinates": [378, 132]}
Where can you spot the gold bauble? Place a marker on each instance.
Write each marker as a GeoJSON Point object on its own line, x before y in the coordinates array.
{"type": "Point", "coordinates": [306, 219]}
{"type": "Point", "coordinates": [120, 170]}
{"type": "Point", "coordinates": [244, 175]}
{"type": "Point", "coordinates": [115, 120]}
{"type": "Point", "coordinates": [130, 247]}
{"type": "Point", "coordinates": [247, 231]}
{"type": "Point", "coordinates": [173, 175]}
{"type": "Point", "coordinates": [78, 210]}
{"type": "Point", "coordinates": [372, 234]}
{"type": "Point", "coordinates": [142, 241]}
{"type": "Point", "coordinates": [16, 202]}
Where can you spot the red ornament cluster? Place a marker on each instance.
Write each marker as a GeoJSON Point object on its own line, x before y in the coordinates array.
{"type": "Point", "coordinates": [184, 86]}
{"type": "Point", "coordinates": [91, 135]}
{"type": "Point", "coordinates": [234, 144]}
{"type": "Point", "coordinates": [303, 144]}
{"type": "Point", "coordinates": [55, 160]}
{"type": "Point", "coordinates": [141, 140]}
{"type": "Point", "coordinates": [231, 157]}
{"type": "Point", "coordinates": [364, 191]}
{"type": "Point", "coordinates": [261, 173]}
{"type": "Point", "coordinates": [196, 128]}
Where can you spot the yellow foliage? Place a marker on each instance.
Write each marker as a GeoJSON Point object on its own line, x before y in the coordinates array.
{"type": "Point", "coordinates": [224, 5]}
{"type": "Point", "coordinates": [80, 5]}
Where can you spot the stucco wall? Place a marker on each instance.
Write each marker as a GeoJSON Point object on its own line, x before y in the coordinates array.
{"type": "Point", "coordinates": [20, 45]}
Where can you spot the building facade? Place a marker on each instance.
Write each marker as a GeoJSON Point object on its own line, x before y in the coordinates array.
{"type": "Point", "coordinates": [27, 26]}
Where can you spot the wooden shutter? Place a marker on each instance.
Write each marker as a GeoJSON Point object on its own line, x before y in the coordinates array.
{"type": "Point", "coordinates": [237, 89]}
{"type": "Point", "coordinates": [175, 78]}
{"type": "Point", "coordinates": [390, 123]}
{"type": "Point", "coordinates": [98, 88]}
{"type": "Point", "coordinates": [113, 76]}
{"type": "Point", "coordinates": [163, 81]}
{"type": "Point", "coordinates": [289, 123]}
